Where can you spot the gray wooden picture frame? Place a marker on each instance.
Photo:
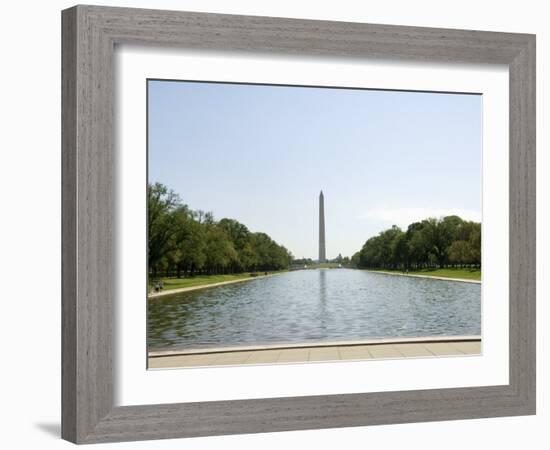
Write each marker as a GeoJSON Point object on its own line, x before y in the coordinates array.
{"type": "Point", "coordinates": [89, 37]}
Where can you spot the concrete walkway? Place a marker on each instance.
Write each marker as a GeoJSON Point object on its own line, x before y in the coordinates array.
{"type": "Point", "coordinates": [330, 351]}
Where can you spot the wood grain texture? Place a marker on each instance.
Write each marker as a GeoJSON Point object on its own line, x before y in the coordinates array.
{"type": "Point", "coordinates": [89, 36]}
{"type": "Point", "coordinates": [523, 224]}
{"type": "Point", "coordinates": [68, 226]}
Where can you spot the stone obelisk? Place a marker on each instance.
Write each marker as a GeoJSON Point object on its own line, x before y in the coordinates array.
{"type": "Point", "coordinates": [322, 249]}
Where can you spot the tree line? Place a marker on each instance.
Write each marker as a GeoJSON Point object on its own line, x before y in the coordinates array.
{"type": "Point", "coordinates": [184, 242]}
{"type": "Point", "coordinates": [432, 243]}
{"type": "Point", "coordinates": [301, 262]}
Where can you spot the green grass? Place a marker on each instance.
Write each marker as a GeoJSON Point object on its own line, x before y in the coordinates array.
{"type": "Point", "coordinates": [201, 280]}
{"type": "Point", "coordinates": [467, 274]}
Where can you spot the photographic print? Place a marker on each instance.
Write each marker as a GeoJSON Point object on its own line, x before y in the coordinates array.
{"type": "Point", "coordinates": [295, 224]}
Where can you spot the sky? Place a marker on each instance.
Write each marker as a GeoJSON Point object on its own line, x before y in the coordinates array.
{"type": "Point", "coordinates": [261, 155]}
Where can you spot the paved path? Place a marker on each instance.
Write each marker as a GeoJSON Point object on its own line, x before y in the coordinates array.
{"type": "Point", "coordinates": [204, 286]}
{"type": "Point", "coordinates": [462, 280]}
{"type": "Point", "coordinates": [298, 353]}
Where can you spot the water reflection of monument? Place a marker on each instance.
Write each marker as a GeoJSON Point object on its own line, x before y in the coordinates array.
{"type": "Point", "coordinates": [322, 248]}
{"type": "Point", "coordinates": [323, 286]}
{"type": "Point", "coordinates": [324, 316]}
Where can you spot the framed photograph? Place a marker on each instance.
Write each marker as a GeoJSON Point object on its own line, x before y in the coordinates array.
{"type": "Point", "coordinates": [278, 224]}
{"type": "Point", "coordinates": [382, 273]}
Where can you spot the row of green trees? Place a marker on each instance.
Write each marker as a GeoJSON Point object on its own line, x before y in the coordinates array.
{"type": "Point", "coordinates": [431, 243]}
{"type": "Point", "coordinates": [301, 262]}
{"type": "Point", "coordinates": [183, 242]}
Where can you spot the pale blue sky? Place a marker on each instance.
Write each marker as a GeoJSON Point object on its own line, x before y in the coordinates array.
{"type": "Point", "coordinates": [261, 154]}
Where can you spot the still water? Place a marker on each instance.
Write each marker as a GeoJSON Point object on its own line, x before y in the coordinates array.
{"type": "Point", "coordinates": [312, 306]}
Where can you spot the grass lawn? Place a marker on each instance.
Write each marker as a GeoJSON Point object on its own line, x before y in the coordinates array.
{"type": "Point", "coordinates": [200, 280]}
{"type": "Point", "coordinates": [467, 274]}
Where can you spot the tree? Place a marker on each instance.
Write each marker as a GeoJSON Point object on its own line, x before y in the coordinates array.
{"type": "Point", "coordinates": [193, 248]}
{"type": "Point", "coordinates": [161, 221]}
{"type": "Point", "coordinates": [429, 243]}
{"type": "Point", "coordinates": [460, 252]}
{"type": "Point", "coordinates": [399, 250]}
{"type": "Point", "coordinates": [219, 251]}
{"type": "Point", "coordinates": [239, 236]}
{"type": "Point", "coordinates": [475, 244]}
{"type": "Point", "coordinates": [186, 242]}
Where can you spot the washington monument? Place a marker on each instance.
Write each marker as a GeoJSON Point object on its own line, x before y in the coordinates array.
{"type": "Point", "coordinates": [322, 248]}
